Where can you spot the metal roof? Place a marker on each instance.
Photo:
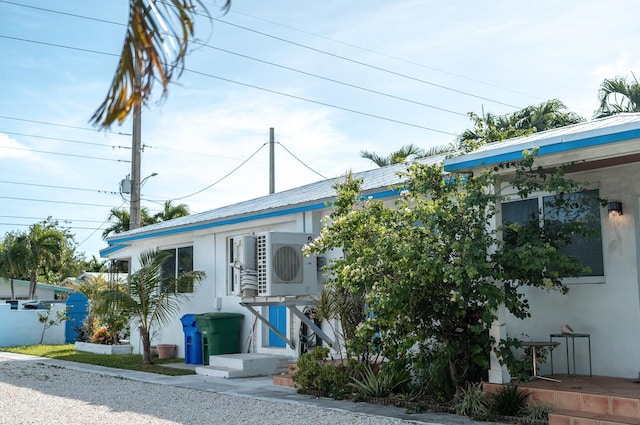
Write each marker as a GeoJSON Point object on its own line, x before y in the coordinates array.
{"type": "Point", "coordinates": [377, 182]}
{"type": "Point", "coordinates": [312, 196]}
{"type": "Point", "coordinates": [602, 131]}
{"type": "Point", "coordinates": [19, 282]}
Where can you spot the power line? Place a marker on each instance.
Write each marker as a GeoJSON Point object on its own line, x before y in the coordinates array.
{"type": "Point", "coordinates": [55, 202]}
{"type": "Point", "coordinates": [223, 177]}
{"type": "Point", "coordinates": [378, 68]}
{"type": "Point", "coordinates": [25, 40]}
{"type": "Point", "coordinates": [300, 161]}
{"type": "Point", "coordinates": [62, 125]}
{"type": "Point", "coordinates": [317, 102]}
{"type": "Point", "coordinates": [307, 73]}
{"type": "Point", "coordinates": [109, 192]}
{"type": "Point", "coordinates": [64, 220]}
{"type": "Point", "coordinates": [415, 102]}
{"type": "Point", "coordinates": [145, 146]}
{"type": "Point", "coordinates": [386, 55]}
{"type": "Point", "coordinates": [64, 154]}
{"type": "Point", "coordinates": [295, 44]}
{"type": "Point", "coordinates": [262, 89]}
{"type": "Point", "coordinates": [189, 152]}
{"type": "Point", "coordinates": [62, 13]}
{"type": "Point", "coordinates": [70, 227]}
{"type": "Point", "coordinates": [66, 140]}
{"type": "Point", "coordinates": [99, 227]}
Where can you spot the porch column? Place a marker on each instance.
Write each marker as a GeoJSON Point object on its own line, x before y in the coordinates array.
{"type": "Point", "coordinates": [498, 374]}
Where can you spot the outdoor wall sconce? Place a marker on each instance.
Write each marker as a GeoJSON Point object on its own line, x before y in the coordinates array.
{"type": "Point", "coordinates": [615, 208]}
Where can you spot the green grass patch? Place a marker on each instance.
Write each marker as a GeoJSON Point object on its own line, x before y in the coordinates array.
{"type": "Point", "coordinates": [120, 361]}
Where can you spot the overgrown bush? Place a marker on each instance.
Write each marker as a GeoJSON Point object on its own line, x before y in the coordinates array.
{"type": "Point", "coordinates": [316, 373]}
{"type": "Point", "coordinates": [431, 373]}
{"type": "Point", "coordinates": [509, 401]}
{"type": "Point", "coordinates": [434, 268]}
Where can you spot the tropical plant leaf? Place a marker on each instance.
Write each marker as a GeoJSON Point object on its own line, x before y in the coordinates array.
{"type": "Point", "coordinates": [155, 46]}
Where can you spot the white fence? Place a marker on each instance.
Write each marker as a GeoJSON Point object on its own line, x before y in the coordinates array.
{"type": "Point", "coordinates": [22, 327]}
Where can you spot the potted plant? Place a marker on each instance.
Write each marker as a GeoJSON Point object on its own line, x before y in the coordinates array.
{"type": "Point", "coordinates": [166, 351]}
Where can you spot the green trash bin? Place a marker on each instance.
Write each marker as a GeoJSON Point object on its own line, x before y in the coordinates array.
{"type": "Point", "coordinates": [220, 333]}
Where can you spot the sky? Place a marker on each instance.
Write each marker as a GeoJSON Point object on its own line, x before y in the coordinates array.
{"type": "Point", "coordinates": [332, 78]}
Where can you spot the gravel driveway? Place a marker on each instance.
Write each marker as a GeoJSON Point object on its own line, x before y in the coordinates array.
{"type": "Point", "coordinates": [34, 393]}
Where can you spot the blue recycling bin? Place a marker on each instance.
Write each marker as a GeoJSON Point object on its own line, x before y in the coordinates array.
{"type": "Point", "coordinates": [192, 339]}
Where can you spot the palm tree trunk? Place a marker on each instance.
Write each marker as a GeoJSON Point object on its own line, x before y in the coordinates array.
{"type": "Point", "coordinates": [13, 292]}
{"type": "Point", "coordinates": [146, 346]}
{"type": "Point", "coordinates": [32, 285]}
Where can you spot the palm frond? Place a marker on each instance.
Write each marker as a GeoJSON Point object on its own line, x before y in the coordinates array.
{"type": "Point", "coordinates": [155, 46]}
{"type": "Point", "coordinates": [617, 95]}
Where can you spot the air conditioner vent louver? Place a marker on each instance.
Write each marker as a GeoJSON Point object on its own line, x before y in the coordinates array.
{"type": "Point", "coordinates": [282, 269]}
{"type": "Point", "coordinates": [287, 263]}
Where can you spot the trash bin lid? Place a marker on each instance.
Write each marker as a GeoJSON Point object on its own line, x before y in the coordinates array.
{"type": "Point", "coordinates": [188, 320]}
{"type": "Point", "coordinates": [217, 315]}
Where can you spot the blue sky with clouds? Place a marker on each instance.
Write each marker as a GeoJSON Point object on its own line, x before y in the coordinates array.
{"type": "Point", "coordinates": [332, 77]}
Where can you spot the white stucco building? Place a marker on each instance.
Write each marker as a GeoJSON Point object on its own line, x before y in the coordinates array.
{"type": "Point", "coordinates": [605, 304]}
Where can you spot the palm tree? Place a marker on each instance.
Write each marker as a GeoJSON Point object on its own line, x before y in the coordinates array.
{"type": "Point", "coordinates": [155, 45]}
{"type": "Point", "coordinates": [14, 255]}
{"type": "Point", "coordinates": [617, 96]}
{"type": "Point", "coordinates": [119, 219]}
{"type": "Point", "coordinates": [545, 116]}
{"type": "Point", "coordinates": [404, 153]}
{"type": "Point", "coordinates": [492, 128]}
{"type": "Point", "coordinates": [170, 212]}
{"type": "Point", "coordinates": [45, 245]}
{"type": "Point", "coordinates": [95, 265]}
{"type": "Point", "coordinates": [148, 300]}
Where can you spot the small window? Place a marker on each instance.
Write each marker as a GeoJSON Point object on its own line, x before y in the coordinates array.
{"type": "Point", "coordinates": [586, 249]}
{"type": "Point", "coordinates": [180, 261]}
{"type": "Point", "coordinates": [231, 275]}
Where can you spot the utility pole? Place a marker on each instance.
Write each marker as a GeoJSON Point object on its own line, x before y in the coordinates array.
{"type": "Point", "coordinates": [136, 153]}
{"type": "Point", "coordinates": [272, 172]}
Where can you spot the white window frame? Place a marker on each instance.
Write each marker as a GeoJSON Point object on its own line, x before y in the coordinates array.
{"type": "Point", "coordinates": [599, 279]}
{"type": "Point", "coordinates": [177, 262]}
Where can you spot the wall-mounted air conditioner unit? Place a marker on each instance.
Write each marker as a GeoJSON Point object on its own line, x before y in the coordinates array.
{"type": "Point", "coordinates": [282, 269]}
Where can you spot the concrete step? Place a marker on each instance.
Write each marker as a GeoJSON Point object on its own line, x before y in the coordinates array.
{"type": "Point", "coordinates": [577, 417]}
{"type": "Point", "coordinates": [242, 365]}
{"type": "Point", "coordinates": [576, 401]}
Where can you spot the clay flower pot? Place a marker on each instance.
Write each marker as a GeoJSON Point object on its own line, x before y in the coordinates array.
{"type": "Point", "coordinates": [166, 351]}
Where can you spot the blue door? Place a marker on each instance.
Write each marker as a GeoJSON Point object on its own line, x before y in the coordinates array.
{"type": "Point", "coordinates": [77, 311]}
{"type": "Point", "coordinates": [278, 318]}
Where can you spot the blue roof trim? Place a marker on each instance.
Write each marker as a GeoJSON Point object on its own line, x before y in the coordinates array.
{"type": "Point", "coordinates": [111, 249]}
{"type": "Point", "coordinates": [545, 150]}
{"type": "Point", "coordinates": [320, 205]}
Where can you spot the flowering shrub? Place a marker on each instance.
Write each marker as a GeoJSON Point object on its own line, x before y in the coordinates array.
{"type": "Point", "coordinates": [433, 270]}
{"type": "Point", "coordinates": [103, 335]}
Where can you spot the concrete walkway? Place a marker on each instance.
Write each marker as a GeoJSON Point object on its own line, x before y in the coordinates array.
{"type": "Point", "coordinates": [260, 388]}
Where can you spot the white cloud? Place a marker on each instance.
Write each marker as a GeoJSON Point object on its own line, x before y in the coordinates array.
{"type": "Point", "coordinates": [626, 63]}
{"type": "Point", "coordinates": [10, 148]}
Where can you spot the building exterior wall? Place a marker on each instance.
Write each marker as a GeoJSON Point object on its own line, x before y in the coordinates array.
{"type": "Point", "coordinates": [22, 291]}
{"type": "Point", "coordinates": [212, 295]}
{"type": "Point", "coordinates": [609, 310]}
{"type": "Point", "coordinates": [23, 327]}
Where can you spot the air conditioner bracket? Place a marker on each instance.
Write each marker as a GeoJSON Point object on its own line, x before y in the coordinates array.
{"type": "Point", "coordinates": [290, 304]}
